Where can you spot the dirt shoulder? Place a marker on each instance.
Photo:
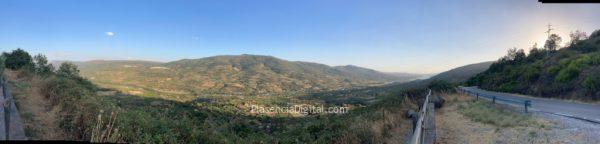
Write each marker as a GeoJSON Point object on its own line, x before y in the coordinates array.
{"type": "Point", "coordinates": [40, 120]}
{"type": "Point", "coordinates": [457, 124]}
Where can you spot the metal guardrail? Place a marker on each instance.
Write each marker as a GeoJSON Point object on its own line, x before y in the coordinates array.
{"type": "Point", "coordinates": [6, 109]}
{"type": "Point", "coordinates": [493, 98]}
{"type": "Point", "coordinates": [13, 129]}
{"type": "Point", "coordinates": [417, 137]}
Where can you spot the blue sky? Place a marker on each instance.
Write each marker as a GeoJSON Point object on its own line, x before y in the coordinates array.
{"type": "Point", "coordinates": [421, 36]}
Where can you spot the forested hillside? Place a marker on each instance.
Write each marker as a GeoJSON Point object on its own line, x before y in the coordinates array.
{"type": "Point", "coordinates": [229, 75]}
{"type": "Point", "coordinates": [572, 71]}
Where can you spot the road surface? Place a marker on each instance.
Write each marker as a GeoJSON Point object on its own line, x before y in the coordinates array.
{"type": "Point", "coordinates": [584, 111]}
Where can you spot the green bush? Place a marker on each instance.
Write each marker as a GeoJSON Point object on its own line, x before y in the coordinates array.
{"type": "Point", "coordinates": [594, 59]}
{"type": "Point", "coordinates": [509, 86]}
{"type": "Point", "coordinates": [573, 69]}
{"type": "Point", "coordinates": [567, 74]}
{"type": "Point", "coordinates": [587, 46]}
{"type": "Point", "coordinates": [532, 73]}
{"type": "Point", "coordinates": [18, 59]}
{"type": "Point", "coordinates": [68, 69]}
{"type": "Point", "coordinates": [42, 67]}
{"type": "Point", "coordinates": [591, 84]}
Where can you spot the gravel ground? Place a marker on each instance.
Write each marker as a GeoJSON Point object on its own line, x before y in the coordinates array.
{"type": "Point", "coordinates": [570, 130]}
{"type": "Point", "coordinates": [453, 127]}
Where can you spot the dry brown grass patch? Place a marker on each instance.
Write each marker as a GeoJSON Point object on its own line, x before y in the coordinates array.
{"type": "Point", "coordinates": [40, 119]}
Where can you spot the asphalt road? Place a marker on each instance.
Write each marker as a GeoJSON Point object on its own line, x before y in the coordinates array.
{"type": "Point", "coordinates": [584, 111]}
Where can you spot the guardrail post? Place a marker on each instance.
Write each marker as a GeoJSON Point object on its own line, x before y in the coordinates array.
{"type": "Point", "coordinates": [477, 96]}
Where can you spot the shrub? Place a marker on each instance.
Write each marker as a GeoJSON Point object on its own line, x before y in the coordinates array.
{"type": "Point", "coordinates": [591, 84]}
{"type": "Point", "coordinates": [567, 74]}
{"type": "Point", "coordinates": [509, 86]}
{"type": "Point", "coordinates": [594, 59]}
{"type": "Point", "coordinates": [532, 72]}
{"type": "Point", "coordinates": [586, 47]}
{"type": "Point", "coordinates": [17, 59]}
{"type": "Point", "coordinates": [440, 85]}
{"type": "Point", "coordinates": [41, 65]}
{"type": "Point", "coordinates": [573, 69]}
{"type": "Point", "coordinates": [68, 69]}
{"type": "Point", "coordinates": [536, 54]}
{"type": "Point", "coordinates": [595, 34]}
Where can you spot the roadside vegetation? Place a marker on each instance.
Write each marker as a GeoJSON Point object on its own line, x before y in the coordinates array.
{"type": "Point", "coordinates": [570, 72]}
{"type": "Point", "coordinates": [488, 113]}
{"type": "Point", "coordinates": [464, 120]}
{"type": "Point", "coordinates": [57, 103]}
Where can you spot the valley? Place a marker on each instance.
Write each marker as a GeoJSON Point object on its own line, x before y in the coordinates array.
{"type": "Point", "coordinates": [296, 72]}
{"type": "Point", "coordinates": [243, 75]}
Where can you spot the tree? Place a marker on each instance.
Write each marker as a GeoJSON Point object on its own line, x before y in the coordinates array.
{"type": "Point", "coordinates": [520, 55]}
{"type": "Point", "coordinates": [592, 84]}
{"type": "Point", "coordinates": [68, 69]}
{"type": "Point", "coordinates": [41, 65]}
{"type": "Point", "coordinates": [552, 42]}
{"type": "Point", "coordinates": [511, 54]}
{"type": "Point", "coordinates": [17, 59]}
{"type": "Point", "coordinates": [577, 36]}
{"type": "Point", "coordinates": [595, 34]}
{"type": "Point", "coordinates": [535, 53]}
{"type": "Point", "coordinates": [514, 54]}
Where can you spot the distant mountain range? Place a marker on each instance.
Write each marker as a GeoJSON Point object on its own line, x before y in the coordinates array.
{"type": "Point", "coordinates": [371, 94]}
{"type": "Point", "coordinates": [410, 76]}
{"type": "Point", "coordinates": [231, 74]}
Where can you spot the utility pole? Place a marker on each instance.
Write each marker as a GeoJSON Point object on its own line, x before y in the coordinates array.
{"type": "Point", "coordinates": [549, 29]}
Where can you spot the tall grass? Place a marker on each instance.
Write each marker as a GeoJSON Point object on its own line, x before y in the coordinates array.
{"type": "Point", "coordinates": [488, 113]}
{"type": "Point", "coordinates": [105, 133]}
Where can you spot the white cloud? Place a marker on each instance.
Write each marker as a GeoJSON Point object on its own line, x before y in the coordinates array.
{"type": "Point", "coordinates": [110, 34]}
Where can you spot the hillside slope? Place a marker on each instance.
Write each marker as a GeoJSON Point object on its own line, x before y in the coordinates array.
{"type": "Point", "coordinates": [571, 72]}
{"type": "Point", "coordinates": [368, 95]}
{"type": "Point", "coordinates": [410, 76]}
{"type": "Point", "coordinates": [463, 73]}
{"type": "Point", "coordinates": [456, 75]}
{"type": "Point", "coordinates": [243, 74]}
{"type": "Point", "coordinates": [360, 72]}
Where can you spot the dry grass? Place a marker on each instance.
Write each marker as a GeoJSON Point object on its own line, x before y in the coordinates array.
{"type": "Point", "coordinates": [454, 127]}
{"type": "Point", "coordinates": [380, 126]}
{"type": "Point", "coordinates": [391, 129]}
{"type": "Point", "coordinates": [40, 119]}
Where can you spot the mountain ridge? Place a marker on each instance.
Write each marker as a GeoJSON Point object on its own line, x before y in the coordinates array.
{"type": "Point", "coordinates": [229, 74]}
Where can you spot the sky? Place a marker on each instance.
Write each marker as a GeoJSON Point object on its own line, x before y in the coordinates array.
{"type": "Point", "coordinates": [421, 36]}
